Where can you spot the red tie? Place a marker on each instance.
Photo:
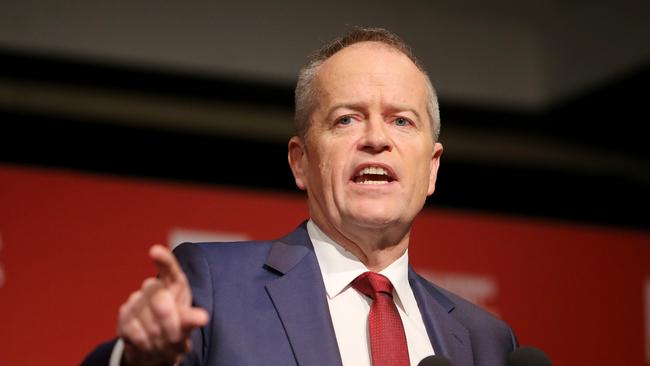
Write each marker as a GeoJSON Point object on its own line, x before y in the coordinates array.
{"type": "Point", "coordinates": [387, 337]}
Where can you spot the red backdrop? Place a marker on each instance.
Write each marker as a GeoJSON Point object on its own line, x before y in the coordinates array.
{"type": "Point", "coordinates": [73, 246]}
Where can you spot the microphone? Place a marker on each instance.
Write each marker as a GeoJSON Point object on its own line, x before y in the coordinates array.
{"type": "Point", "coordinates": [435, 360]}
{"type": "Point", "coordinates": [528, 356]}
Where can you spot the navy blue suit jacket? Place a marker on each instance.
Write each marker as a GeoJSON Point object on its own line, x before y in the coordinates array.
{"type": "Point", "coordinates": [268, 306]}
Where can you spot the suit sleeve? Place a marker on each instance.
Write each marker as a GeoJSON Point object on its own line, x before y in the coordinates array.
{"type": "Point", "coordinates": [100, 356]}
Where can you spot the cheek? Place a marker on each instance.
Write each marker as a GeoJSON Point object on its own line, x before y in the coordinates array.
{"type": "Point", "coordinates": [330, 159]}
{"type": "Point", "coordinates": [331, 164]}
{"type": "Point", "coordinates": [320, 176]}
{"type": "Point", "coordinates": [329, 173]}
{"type": "Point", "coordinates": [422, 170]}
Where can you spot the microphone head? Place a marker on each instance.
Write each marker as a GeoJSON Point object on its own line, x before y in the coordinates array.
{"type": "Point", "coordinates": [435, 360]}
{"type": "Point", "coordinates": [528, 356]}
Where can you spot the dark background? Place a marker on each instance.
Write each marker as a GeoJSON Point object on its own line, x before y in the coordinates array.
{"type": "Point", "coordinates": [543, 105]}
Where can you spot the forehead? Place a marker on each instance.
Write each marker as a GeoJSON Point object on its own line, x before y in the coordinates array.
{"type": "Point", "coordinates": [370, 70]}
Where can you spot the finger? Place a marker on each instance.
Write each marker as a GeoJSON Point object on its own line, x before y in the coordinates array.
{"type": "Point", "coordinates": [133, 333]}
{"type": "Point", "coordinates": [168, 268]}
{"type": "Point", "coordinates": [149, 287]}
{"type": "Point", "coordinates": [144, 313]}
{"type": "Point", "coordinates": [127, 310]}
{"type": "Point", "coordinates": [140, 299]}
{"type": "Point", "coordinates": [193, 317]}
{"type": "Point", "coordinates": [151, 327]}
{"type": "Point", "coordinates": [166, 312]}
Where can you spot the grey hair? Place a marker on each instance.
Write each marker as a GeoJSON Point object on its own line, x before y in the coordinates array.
{"type": "Point", "coordinates": [306, 92]}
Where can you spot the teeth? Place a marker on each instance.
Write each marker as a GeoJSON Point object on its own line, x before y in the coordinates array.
{"type": "Point", "coordinates": [373, 170]}
{"type": "Point", "coordinates": [373, 175]}
{"type": "Point", "coordinates": [373, 182]}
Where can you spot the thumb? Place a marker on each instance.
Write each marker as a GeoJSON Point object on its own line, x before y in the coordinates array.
{"type": "Point", "coordinates": [193, 317]}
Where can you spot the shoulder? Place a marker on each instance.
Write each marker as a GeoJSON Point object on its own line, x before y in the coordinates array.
{"type": "Point", "coordinates": [475, 316]}
{"type": "Point", "coordinates": [222, 256]}
{"type": "Point", "coordinates": [236, 248]}
{"type": "Point", "coordinates": [243, 256]}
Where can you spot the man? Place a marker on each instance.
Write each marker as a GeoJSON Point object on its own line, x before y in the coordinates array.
{"type": "Point", "coordinates": [366, 153]}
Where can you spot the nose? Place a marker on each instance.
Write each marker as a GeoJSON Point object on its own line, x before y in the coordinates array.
{"type": "Point", "coordinates": [376, 137]}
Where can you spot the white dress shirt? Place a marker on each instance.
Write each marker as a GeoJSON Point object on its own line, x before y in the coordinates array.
{"type": "Point", "coordinates": [349, 308]}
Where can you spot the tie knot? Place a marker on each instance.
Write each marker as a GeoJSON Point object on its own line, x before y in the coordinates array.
{"type": "Point", "coordinates": [371, 283]}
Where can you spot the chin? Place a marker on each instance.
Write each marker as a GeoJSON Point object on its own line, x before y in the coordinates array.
{"type": "Point", "coordinates": [374, 219]}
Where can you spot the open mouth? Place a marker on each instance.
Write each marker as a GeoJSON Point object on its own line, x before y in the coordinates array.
{"type": "Point", "coordinates": [373, 175]}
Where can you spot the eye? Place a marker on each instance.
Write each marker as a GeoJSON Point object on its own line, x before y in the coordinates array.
{"type": "Point", "coordinates": [345, 120]}
{"type": "Point", "coordinates": [401, 121]}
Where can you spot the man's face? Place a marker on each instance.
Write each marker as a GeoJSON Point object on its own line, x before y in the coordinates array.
{"type": "Point", "coordinates": [369, 159]}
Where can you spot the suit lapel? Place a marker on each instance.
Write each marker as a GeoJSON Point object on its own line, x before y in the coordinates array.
{"type": "Point", "coordinates": [448, 337]}
{"type": "Point", "coordinates": [299, 299]}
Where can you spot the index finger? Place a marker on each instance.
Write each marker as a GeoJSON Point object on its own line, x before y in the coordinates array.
{"type": "Point", "coordinates": [168, 268]}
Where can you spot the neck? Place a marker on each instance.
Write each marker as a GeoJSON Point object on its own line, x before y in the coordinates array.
{"type": "Point", "coordinates": [375, 248]}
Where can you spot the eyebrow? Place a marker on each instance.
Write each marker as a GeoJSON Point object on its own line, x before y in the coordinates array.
{"type": "Point", "coordinates": [363, 106]}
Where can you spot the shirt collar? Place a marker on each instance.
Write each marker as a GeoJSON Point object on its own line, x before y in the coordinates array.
{"type": "Point", "coordinates": [339, 267]}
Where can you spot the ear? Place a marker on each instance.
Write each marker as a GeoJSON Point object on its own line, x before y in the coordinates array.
{"type": "Point", "coordinates": [298, 161]}
{"type": "Point", "coordinates": [435, 164]}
